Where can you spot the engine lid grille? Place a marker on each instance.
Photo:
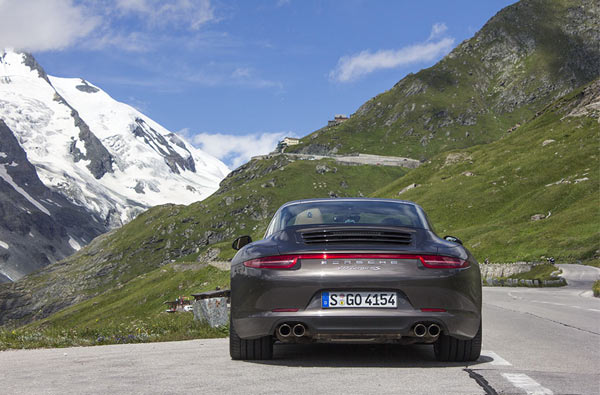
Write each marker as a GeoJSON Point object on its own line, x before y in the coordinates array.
{"type": "Point", "coordinates": [339, 236]}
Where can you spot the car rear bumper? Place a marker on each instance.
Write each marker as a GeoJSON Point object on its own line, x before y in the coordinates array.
{"type": "Point", "coordinates": [379, 323]}
{"type": "Point", "coordinates": [259, 295]}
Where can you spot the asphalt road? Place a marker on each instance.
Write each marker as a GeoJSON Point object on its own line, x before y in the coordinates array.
{"type": "Point", "coordinates": [536, 341]}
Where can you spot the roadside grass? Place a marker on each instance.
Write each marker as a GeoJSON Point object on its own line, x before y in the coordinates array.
{"type": "Point", "coordinates": [596, 288]}
{"type": "Point", "coordinates": [139, 299]}
{"type": "Point", "coordinates": [132, 313]}
{"type": "Point", "coordinates": [595, 262]}
{"type": "Point", "coordinates": [538, 272]}
{"type": "Point", "coordinates": [157, 328]}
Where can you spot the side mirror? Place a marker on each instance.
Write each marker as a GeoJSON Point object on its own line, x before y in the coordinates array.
{"type": "Point", "coordinates": [240, 242]}
{"type": "Point", "coordinates": [453, 239]}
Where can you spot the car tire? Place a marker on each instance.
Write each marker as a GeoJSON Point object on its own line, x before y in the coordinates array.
{"type": "Point", "coordinates": [451, 349]}
{"type": "Point", "coordinates": [253, 349]}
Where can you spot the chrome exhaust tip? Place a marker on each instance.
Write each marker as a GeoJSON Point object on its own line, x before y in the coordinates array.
{"type": "Point", "coordinates": [434, 330]}
{"type": "Point", "coordinates": [299, 330]}
{"type": "Point", "coordinates": [420, 330]}
{"type": "Point", "coordinates": [284, 330]}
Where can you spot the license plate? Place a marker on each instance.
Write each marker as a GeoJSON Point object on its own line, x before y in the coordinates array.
{"type": "Point", "coordinates": [358, 299]}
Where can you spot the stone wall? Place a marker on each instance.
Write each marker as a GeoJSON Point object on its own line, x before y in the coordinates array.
{"type": "Point", "coordinates": [494, 274]}
{"type": "Point", "coordinates": [496, 270]}
{"type": "Point", "coordinates": [513, 282]}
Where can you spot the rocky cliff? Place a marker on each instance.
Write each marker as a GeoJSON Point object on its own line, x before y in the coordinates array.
{"type": "Point", "coordinates": [37, 225]}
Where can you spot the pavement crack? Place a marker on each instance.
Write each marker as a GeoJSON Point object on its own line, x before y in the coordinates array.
{"type": "Point", "coordinates": [483, 383]}
{"type": "Point", "coordinates": [544, 318]}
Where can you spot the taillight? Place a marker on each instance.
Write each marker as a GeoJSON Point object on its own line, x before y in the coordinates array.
{"type": "Point", "coordinates": [289, 261]}
{"type": "Point", "coordinates": [273, 262]}
{"type": "Point", "coordinates": [443, 262]}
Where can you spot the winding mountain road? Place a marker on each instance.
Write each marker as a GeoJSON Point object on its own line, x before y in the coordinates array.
{"type": "Point", "coordinates": [536, 341]}
{"type": "Point", "coordinates": [360, 159]}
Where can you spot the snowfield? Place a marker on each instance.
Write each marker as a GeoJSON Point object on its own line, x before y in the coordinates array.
{"type": "Point", "coordinates": [133, 163]}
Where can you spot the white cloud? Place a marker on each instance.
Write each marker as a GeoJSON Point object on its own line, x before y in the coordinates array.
{"type": "Point", "coordinates": [188, 13]}
{"type": "Point", "coordinates": [235, 150]}
{"type": "Point", "coordinates": [142, 6]}
{"type": "Point", "coordinates": [244, 76]}
{"type": "Point", "coordinates": [43, 25]}
{"type": "Point", "coordinates": [131, 42]}
{"type": "Point", "coordinates": [241, 72]}
{"type": "Point", "coordinates": [216, 74]}
{"type": "Point", "coordinates": [437, 30]}
{"type": "Point", "coordinates": [350, 68]}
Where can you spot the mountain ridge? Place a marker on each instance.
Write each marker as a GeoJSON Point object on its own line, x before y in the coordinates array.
{"type": "Point", "coordinates": [526, 56]}
{"type": "Point", "coordinates": [101, 155]}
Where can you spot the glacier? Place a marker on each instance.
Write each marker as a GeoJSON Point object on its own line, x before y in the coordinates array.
{"type": "Point", "coordinates": [98, 152]}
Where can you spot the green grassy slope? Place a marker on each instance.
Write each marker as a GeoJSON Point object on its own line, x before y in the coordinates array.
{"type": "Point", "coordinates": [525, 57]}
{"type": "Point", "coordinates": [487, 195]}
{"type": "Point", "coordinates": [140, 299]}
{"type": "Point", "coordinates": [131, 313]}
{"type": "Point", "coordinates": [243, 205]}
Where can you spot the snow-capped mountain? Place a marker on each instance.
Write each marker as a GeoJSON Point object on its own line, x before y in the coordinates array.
{"type": "Point", "coordinates": [100, 154]}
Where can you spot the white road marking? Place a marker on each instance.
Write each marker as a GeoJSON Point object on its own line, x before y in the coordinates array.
{"type": "Point", "coordinates": [526, 383]}
{"type": "Point", "coordinates": [562, 304]}
{"type": "Point", "coordinates": [554, 303]}
{"type": "Point", "coordinates": [514, 296]}
{"type": "Point", "coordinates": [497, 359]}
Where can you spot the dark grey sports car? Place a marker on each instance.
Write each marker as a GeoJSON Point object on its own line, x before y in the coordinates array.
{"type": "Point", "coordinates": [354, 270]}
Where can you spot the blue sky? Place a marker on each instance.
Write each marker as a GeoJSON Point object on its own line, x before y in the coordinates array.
{"type": "Point", "coordinates": [236, 76]}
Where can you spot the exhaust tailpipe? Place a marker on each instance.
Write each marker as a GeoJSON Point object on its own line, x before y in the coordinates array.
{"type": "Point", "coordinates": [420, 330]}
{"type": "Point", "coordinates": [299, 330]}
{"type": "Point", "coordinates": [434, 330]}
{"type": "Point", "coordinates": [284, 330]}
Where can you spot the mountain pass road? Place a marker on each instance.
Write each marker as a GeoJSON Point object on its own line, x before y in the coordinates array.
{"type": "Point", "coordinates": [536, 341]}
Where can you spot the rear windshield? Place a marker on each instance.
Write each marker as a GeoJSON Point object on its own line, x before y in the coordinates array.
{"type": "Point", "coordinates": [347, 213]}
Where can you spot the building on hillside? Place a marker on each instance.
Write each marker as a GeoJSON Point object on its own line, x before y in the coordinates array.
{"type": "Point", "coordinates": [337, 119]}
{"type": "Point", "coordinates": [290, 141]}
{"type": "Point", "coordinates": [286, 142]}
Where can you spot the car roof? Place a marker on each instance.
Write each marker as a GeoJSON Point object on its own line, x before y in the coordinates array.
{"type": "Point", "coordinates": [351, 199]}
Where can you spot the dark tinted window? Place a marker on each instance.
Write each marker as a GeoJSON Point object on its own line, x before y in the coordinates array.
{"type": "Point", "coordinates": [340, 212]}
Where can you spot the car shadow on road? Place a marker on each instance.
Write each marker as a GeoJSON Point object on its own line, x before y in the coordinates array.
{"type": "Point", "coordinates": [360, 355]}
